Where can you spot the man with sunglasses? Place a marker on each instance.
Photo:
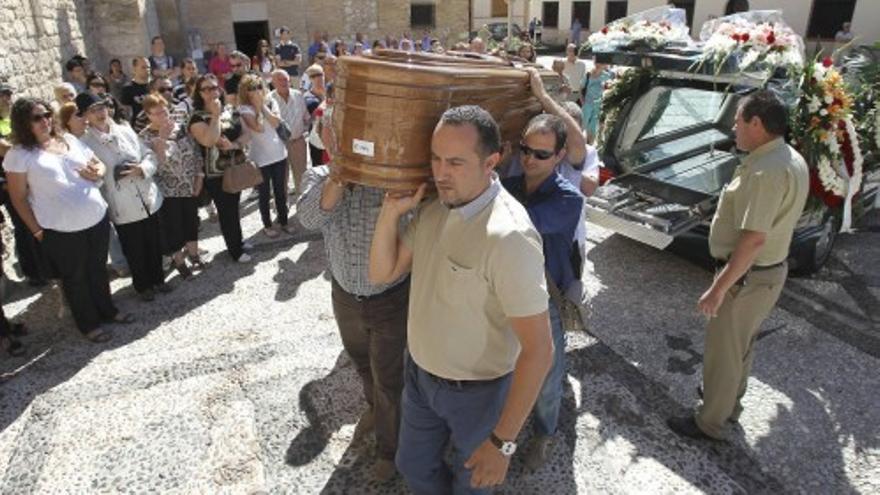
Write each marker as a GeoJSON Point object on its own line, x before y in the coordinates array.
{"type": "Point", "coordinates": [160, 86]}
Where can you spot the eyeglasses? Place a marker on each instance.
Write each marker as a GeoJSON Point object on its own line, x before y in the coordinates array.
{"type": "Point", "coordinates": [210, 88]}
{"type": "Point", "coordinates": [539, 154]}
{"type": "Point", "coordinates": [37, 118]}
{"type": "Point", "coordinates": [166, 90]}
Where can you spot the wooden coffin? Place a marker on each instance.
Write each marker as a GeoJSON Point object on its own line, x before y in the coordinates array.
{"type": "Point", "coordinates": [387, 105]}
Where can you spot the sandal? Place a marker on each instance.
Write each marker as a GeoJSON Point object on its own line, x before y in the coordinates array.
{"type": "Point", "coordinates": [12, 347]}
{"type": "Point", "coordinates": [98, 336]}
{"type": "Point", "coordinates": [123, 318]}
{"type": "Point", "coordinates": [18, 329]}
{"type": "Point", "coordinates": [183, 270]}
{"type": "Point", "coordinates": [196, 261]}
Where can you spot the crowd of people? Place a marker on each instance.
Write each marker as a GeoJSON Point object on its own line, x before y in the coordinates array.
{"type": "Point", "coordinates": [453, 309]}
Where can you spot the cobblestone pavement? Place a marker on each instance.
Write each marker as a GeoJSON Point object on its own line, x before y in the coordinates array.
{"type": "Point", "coordinates": [237, 383]}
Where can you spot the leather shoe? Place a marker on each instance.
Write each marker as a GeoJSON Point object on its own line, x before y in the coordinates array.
{"type": "Point", "coordinates": [687, 427]}
{"type": "Point", "coordinates": [384, 470]}
{"type": "Point", "coordinates": [731, 419]}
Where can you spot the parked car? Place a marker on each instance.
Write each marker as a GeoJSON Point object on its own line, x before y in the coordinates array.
{"type": "Point", "coordinates": [499, 31]}
{"type": "Point", "coordinates": [671, 151]}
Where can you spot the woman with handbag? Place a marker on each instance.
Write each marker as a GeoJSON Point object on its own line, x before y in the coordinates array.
{"type": "Point", "coordinates": [180, 179]}
{"type": "Point", "coordinates": [267, 150]}
{"type": "Point", "coordinates": [132, 195]}
{"type": "Point", "coordinates": [217, 131]}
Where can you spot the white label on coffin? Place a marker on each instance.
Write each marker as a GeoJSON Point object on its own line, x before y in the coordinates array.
{"type": "Point", "coordinates": [362, 147]}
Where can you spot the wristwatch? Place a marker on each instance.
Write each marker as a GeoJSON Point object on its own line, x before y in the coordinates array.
{"type": "Point", "coordinates": [506, 448]}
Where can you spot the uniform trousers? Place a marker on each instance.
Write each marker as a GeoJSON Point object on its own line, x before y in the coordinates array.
{"type": "Point", "coordinates": [730, 346]}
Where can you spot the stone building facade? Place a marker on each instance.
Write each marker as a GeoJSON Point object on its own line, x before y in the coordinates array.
{"type": "Point", "coordinates": [39, 36]}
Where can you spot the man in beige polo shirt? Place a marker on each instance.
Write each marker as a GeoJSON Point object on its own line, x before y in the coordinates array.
{"type": "Point", "coordinates": [750, 237]}
{"type": "Point", "coordinates": [478, 330]}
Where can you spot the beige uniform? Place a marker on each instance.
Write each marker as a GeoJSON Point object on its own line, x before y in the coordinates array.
{"type": "Point", "coordinates": [473, 268]}
{"type": "Point", "coordinates": [767, 194]}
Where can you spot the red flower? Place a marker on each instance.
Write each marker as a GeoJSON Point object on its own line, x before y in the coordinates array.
{"type": "Point", "coordinates": [816, 189]}
{"type": "Point", "coordinates": [735, 37]}
{"type": "Point", "coordinates": [771, 38]}
{"type": "Point", "coordinates": [605, 30]}
{"type": "Point", "coordinates": [827, 62]}
{"type": "Point", "coordinates": [744, 37]}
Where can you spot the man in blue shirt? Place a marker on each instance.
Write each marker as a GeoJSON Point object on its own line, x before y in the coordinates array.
{"type": "Point", "coordinates": [554, 206]}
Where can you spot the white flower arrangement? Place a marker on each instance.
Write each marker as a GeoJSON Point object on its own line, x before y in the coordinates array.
{"type": "Point", "coordinates": [759, 41]}
{"type": "Point", "coordinates": [654, 29]}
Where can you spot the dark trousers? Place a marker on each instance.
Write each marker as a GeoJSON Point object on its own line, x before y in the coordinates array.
{"type": "Point", "coordinates": [228, 214]}
{"type": "Point", "coordinates": [179, 218]}
{"type": "Point", "coordinates": [437, 413]}
{"type": "Point", "coordinates": [80, 258]}
{"type": "Point", "coordinates": [275, 183]}
{"type": "Point", "coordinates": [142, 246]}
{"type": "Point", "coordinates": [316, 154]}
{"type": "Point", "coordinates": [28, 250]}
{"type": "Point", "coordinates": [373, 333]}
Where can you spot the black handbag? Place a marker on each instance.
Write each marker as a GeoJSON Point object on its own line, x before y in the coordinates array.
{"type": "Point", "coordinates": [283, 131]}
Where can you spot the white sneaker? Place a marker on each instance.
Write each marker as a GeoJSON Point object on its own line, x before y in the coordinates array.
{"type": "Point", "coordinates": [244, 258]}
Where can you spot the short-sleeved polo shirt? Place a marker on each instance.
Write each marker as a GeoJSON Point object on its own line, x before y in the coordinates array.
{"type": "Point", "coordinates": [767, 194]}
{"type": "Point", "coordinates": [474, 267]}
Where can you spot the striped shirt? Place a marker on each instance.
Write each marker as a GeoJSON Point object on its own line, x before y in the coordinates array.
{"type": "Point", "coordinates": [347, 229]}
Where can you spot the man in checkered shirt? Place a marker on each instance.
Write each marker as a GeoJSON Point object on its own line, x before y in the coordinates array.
{"type": "Point", "coordinates": [371, 318]}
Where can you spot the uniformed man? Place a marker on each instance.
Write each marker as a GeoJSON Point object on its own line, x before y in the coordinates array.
{"type": "Point", "coordinates": [750, 238]}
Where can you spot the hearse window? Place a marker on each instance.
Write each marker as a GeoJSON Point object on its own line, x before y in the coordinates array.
{"type": "Point", "coordinates": [663, 110]}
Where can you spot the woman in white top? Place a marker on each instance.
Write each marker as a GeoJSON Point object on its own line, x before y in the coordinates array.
{"type": "Point", "coordinates": [53, 184]}
{"type": "Point", "coordinates": [132, 195]}
{"type": "Point", "coordinates": [266, 149]}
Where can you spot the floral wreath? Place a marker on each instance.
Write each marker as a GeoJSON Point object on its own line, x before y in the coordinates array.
{"type": "Point", "coordinates": [824, 131]}
{"type": "Point", "coordinates": [758, 41]}
{"type": "Point", "coordinates": [652, 30]}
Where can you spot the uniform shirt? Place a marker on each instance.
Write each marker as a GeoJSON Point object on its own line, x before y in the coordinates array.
{"type": "Point", "coordinates": [555, 209]}
{"type": "Point", "coordinates": [347, 229]}
{"type": "Point", "coordinates": [767, 194]}
{"type": "Point", "coordinates": [473, 268]}
{"type": "Point", "coordinates": [61, 199]}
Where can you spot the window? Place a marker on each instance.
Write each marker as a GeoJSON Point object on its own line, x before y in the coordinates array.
{"type": "Point", "coordinates": [828, 17]}
{"type": "Point", "coordinates": [551, 14]}
{"type": "Point", "coordinates": [581, 12]}
{"type": "Point", "coordinates": [615, 10]}
{"type": "Point", "coordinates": [499, 8]}
{"type": "Point", "coordinates": [421, 15]}
{"type": "Point", "coordinates": [688, 6]}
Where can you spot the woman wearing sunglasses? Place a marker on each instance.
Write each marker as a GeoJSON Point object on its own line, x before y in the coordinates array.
{"type": "Point", "coordinates": [218, 131]}
{"type": "Point", "coordinates": [266, 149]}
{"type": "Point", "coordinates": [53, 184]}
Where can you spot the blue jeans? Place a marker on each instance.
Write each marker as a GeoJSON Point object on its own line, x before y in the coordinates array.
{"type": "Point", "coordinates": [550, 396]}
{"type": "Point", "coordinates": [435, 413]}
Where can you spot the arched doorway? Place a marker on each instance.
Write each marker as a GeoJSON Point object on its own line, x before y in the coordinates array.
{"type": "Point", "coordinates": [734, 6]}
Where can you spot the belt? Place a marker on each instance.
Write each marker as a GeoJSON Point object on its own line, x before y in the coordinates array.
{"type": "Point", "coordinates": [461, 384]}
{"type": "Point", "coordinates": [720, 264]}
{"type": "Point", "coordinates": [391, 290]}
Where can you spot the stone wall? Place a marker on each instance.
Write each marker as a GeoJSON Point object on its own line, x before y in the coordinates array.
{"type": "Point", "coordinates": [38, 36]}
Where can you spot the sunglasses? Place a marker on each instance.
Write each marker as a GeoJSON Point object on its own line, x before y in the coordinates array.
{"type": "Point", "coordinates": [235, 66]}
{"type": "Point", "coordinates": [539, 154]}
{"type": "Point", "coordinates": [97, 85]}
{"type": "Point", "coordinates": [166, 90]}
{"type": "Point", "coordinates": [256, 88]}
{"type": "Point", "coordinates": [36, 119]}
{"type": "Point", "coordinates": [210, 88]}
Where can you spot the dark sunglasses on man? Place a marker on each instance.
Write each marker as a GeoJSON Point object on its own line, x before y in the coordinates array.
{"type": "Point", "coordinates": [539, 154]}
